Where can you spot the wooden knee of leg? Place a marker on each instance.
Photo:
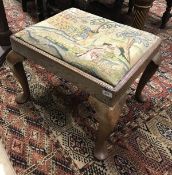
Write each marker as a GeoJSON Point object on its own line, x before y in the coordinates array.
{"type": "Point", "coordinates": [146, 76]}
{"type": "Point", "coordinates": [13, 58]}
{"type": "Point", "coordinates": [108, 117]}
{"type": "Point", "coordinates": [157, 59]}
{"type": "Point", "coordinates": [15, 62]}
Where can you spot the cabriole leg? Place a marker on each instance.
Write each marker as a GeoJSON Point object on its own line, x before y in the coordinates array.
{"type": "Point", "coordinates": [146, 76]}
{"type": "Point", "coordinates": [108, 117]}
{"type": "Point", "coordinates": [15, 62]}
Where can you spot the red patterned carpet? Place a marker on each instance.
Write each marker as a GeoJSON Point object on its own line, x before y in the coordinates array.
{"type": "Point", "coordinates": [42, 138]}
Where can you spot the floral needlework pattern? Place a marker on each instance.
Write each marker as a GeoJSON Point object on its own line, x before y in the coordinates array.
{"type": "Point", "coordinates": [96, 45]}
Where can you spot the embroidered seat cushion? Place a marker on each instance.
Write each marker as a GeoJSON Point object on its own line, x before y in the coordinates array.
{"type": "Point", "coordinates": [98, 46]}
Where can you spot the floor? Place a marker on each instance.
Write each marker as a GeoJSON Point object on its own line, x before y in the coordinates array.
{"type": "Point", "coordinates": [5, 165]}
{"type": "Point", "coordinates": [2, 49]}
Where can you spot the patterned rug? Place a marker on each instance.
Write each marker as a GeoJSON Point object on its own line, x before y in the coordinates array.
{"type": "Point", "coordinates": [43, 138]}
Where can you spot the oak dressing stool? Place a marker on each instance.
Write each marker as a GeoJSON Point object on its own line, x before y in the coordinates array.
{"type": "Point", "coordinates": [98, 55]}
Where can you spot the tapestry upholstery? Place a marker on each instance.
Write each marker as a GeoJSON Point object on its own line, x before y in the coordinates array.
{"type": "Point", "coordinates": [98, 46]}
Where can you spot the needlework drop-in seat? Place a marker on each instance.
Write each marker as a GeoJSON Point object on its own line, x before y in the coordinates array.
{"type": "Point", "coordinates": [98, 46]}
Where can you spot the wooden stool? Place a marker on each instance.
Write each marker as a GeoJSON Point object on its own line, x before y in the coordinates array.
{"type": "Point", "coordinates": [98, 55]}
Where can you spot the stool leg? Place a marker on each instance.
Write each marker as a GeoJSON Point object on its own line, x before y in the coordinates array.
{"type": "Point", "coordinates": [141, 9]}
{"type": "Point", "coordinates": [131, 5]}
{"type": "Point", "coordinates": [108, 117]}
{"type": "Point", "coordinates": [15, 62]}
{"type": "Point", "coordinates": [147, 74]}
{"type": "Point", "coordinates": [24, 5]}
{"type": "Point", "coordinates": [167, 15]}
